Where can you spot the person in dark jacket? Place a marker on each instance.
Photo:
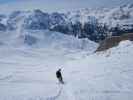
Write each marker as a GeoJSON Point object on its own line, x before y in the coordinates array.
{"type": "Point", "coordinates": [59, 76]}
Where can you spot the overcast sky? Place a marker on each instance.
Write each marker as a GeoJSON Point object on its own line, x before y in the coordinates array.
{"type": "Point", "coordinates": [57, 5]}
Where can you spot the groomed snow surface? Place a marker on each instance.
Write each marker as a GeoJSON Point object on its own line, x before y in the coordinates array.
{"type": "Point", "coordinates": [28, 73]}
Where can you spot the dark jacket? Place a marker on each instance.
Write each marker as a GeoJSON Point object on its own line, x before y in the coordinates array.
{"type": "Point", "coordinates": [58, 74]}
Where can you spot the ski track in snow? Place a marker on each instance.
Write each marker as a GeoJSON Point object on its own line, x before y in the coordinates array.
{"type": "Point", "coordinates": [30, 75]}
{"type": "Point", "coordinates": [56, 96]}
{"type": "Point", "coordinates": [64, 89]}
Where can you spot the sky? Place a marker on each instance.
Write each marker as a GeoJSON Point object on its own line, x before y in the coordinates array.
{"type": "Point", "coordinates": [57, 5]}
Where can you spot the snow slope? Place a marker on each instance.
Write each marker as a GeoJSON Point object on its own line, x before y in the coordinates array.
{"type": "Point", "coordinates": [45, 39]}
{"type": "Point", "coordinates": [104, 75]}
{"type": "Point", "coordinates": [28, 73]}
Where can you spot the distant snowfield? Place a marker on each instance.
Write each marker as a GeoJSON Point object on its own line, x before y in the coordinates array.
{"type": "Point", "coordinates": [28, 73]}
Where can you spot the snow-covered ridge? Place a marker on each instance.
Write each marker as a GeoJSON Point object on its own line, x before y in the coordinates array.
{"type": "Point", "coordinates": [95, 24]}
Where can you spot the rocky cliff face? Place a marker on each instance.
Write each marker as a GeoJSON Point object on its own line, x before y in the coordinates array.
{"type": "Point", "coordinates": [114, 41]}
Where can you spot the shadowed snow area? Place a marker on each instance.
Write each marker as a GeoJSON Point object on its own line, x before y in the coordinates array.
{"type": "Point", "coordinates": [27, 68]}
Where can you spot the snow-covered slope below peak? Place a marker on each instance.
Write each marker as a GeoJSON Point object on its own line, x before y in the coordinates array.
{"type": "Point", "coordinates": [46, 39]}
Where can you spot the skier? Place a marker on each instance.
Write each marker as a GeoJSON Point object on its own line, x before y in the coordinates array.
{"type": "Point", "coordinates": [59, 76]}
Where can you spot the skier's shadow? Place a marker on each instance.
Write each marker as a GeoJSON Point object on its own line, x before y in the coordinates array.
{"type": "Point", "coordinates": [56, 96]}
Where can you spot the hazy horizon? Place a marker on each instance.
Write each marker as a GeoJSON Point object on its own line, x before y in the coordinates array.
{"type": "Point", "coordinates": [60, 5]}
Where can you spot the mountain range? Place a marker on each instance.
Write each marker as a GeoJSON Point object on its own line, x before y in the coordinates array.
{"type": "Point", "coordinates": [94, 24]}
